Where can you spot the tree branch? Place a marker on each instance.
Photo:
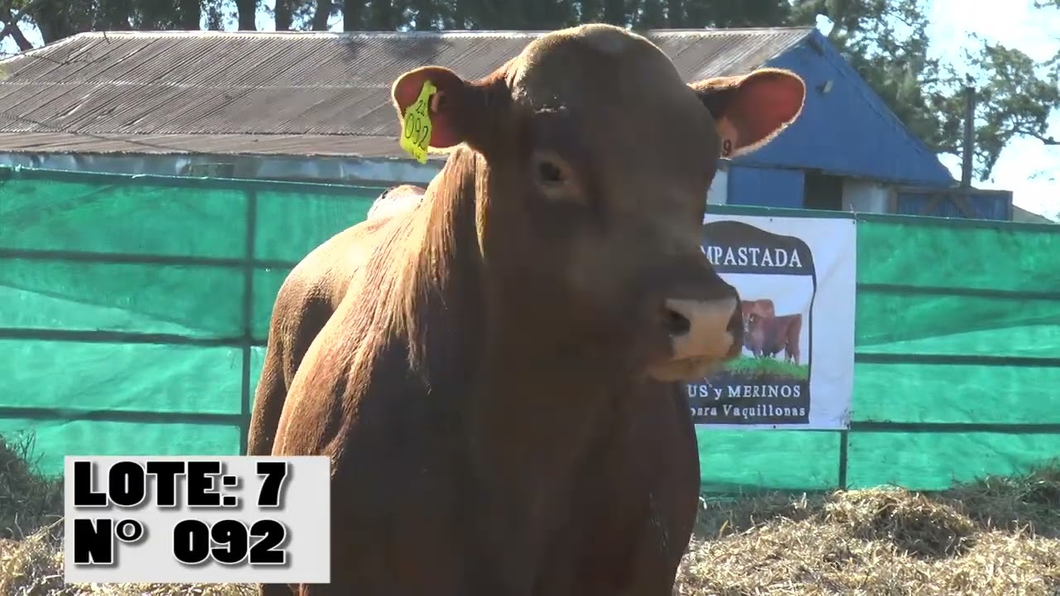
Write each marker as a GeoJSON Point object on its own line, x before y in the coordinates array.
{"type": "Point", "coordinates": [1048, 141]}
{"type": "Point", "coordinates": [11, 26]}
{"type": "Point", "coordinates": [321, 15]}
{"type": "Point", "coordinates": [23, 44]}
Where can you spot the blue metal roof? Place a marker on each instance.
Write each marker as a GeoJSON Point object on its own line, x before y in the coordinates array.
{"type": "Point", "coordinates": [847, 131]}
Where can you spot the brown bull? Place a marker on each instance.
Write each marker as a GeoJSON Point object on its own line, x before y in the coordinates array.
{"type": "Point", "coordinates": [668, 473]}
{"type": "Point", "coordinates": [496, 386]}
{"type": "Point", "coordinates": [767, 336]}
{"type": "Point", "coordinates": [763, 308]}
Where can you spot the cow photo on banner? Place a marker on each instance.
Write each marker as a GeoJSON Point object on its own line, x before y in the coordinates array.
{"type": "Point", "coordinates": [796, 279]}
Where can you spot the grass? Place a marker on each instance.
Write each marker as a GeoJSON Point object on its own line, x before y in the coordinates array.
{"type": "Point", "coordinates": [999, 536]}
{"type": "Point", "coordinates": [27, 499]}
{"type": "Point", "coordinates": [773, 368]}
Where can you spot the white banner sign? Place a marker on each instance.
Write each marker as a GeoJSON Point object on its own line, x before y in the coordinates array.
{"type": "Point", "coordinates": [796, 278]}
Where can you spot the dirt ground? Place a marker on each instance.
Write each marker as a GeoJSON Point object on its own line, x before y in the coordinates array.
{"type": "Point", "coordinates": [998, 536]}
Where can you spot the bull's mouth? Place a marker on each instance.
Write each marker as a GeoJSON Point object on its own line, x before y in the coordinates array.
{"type": "Point", "coordinates": [677, 353]}
{"type": "Point", "coordinates": [685, 369]}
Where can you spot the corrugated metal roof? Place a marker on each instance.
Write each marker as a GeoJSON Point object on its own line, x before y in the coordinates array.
{"type": "Point", "coordinates": [243, 144]}
{"type": "Point", "coordinates": [295, 93]}
{"type": "Point", "coordinates": [1025, 216]}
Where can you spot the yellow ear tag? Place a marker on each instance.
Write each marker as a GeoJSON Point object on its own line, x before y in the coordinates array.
{"type": "Point", "coordinates": [416, 124]}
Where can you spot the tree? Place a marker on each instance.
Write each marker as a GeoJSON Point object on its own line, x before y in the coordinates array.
{"type": "Point", "coordinates": [323, 12]}
{"type": "Point", "coordinates": [351, 14]}
{"type": "Point", "coordinates": [248, 12]}
{"type": "Point", "coordinates": [1016, 98]}
{"type": "Point", "coordinates": [56, 19]}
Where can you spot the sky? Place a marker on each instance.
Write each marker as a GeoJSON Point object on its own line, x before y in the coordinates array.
{"type": "Point", "coordinates": [1026, 167]}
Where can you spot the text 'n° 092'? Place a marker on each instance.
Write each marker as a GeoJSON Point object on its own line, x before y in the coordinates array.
{"type": "Point", "coordinates": [225, 519]}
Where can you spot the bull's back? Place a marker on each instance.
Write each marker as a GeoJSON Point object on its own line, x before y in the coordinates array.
{"type": "Point", "coordinates": [304, 303]}
{"type": "Point", "coordinates": [773, 334]}
{"type": "Point", "coordinates": [781, 328]}
{"type": "Point", "coordinates": [307, 299]}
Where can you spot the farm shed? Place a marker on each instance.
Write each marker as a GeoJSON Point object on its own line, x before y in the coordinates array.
{"type": "Point", "coordinates": [314, 107]}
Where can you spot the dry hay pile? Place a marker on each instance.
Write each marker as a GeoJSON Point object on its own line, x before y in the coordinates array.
{"type": "Point", "coordinates": [998, 536]}
{"type": "Point", "coordinates": [995, 537]}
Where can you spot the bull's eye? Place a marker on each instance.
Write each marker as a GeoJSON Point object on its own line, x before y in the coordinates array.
{"type": "Point", "coordinates": [549, 172]}
{"type": "Point", "coordinates": [554, 177]}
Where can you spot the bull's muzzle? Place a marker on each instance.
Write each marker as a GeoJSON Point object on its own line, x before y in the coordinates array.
{"type": "Point", "coordinates": [703, 333]}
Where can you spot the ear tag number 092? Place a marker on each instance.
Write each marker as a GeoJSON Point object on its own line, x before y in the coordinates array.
{"type": "Point", "coordinates": [416, 124]}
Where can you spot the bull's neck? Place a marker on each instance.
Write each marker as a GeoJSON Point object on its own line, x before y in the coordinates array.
{"type": "Point", "coordinates": [531, 385]}
{"type": "Point", "coordinates": [443, 309]}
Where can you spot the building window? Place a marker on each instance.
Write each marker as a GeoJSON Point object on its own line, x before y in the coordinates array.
{"type": "Point", "coordinates": [822, 191]}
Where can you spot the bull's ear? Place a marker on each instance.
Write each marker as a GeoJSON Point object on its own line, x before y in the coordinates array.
{"type": "Point", "coordinates": [750, 110]}
{"type": "Point", "coordinates": [456, 106]}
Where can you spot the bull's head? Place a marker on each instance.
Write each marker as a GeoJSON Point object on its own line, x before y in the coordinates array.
{"type": "Point", "coordinates": [597, 158]}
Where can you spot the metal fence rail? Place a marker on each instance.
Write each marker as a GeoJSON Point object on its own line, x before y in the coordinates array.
{"type": "Point", "coordinates": [14, 407]}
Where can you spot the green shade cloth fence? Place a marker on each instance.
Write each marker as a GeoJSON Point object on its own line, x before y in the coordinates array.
{"type": "Point", "coordinates": [134, 312]}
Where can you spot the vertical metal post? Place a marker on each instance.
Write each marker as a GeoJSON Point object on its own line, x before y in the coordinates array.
{"type": "Point", "coordinates": [968, 149]}
{"type": "Point", "coordinates": [844, 439]}
{"type": "Point", "coordinates": [248, 316]}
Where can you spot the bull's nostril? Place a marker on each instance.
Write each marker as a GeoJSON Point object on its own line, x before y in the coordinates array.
{"type": "Point", "coordinates": [676, 323]}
